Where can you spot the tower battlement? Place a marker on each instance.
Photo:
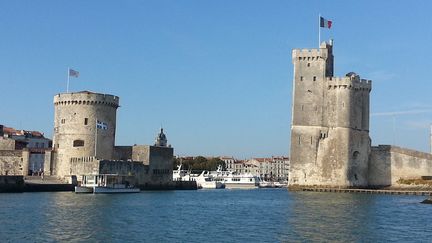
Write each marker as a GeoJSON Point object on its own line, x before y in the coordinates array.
{"type": "Point", "coordinates": [349, 82]}
{"type": "Point", "coordinates": [313, 54]}
{"type": "Point", "coordinates": [86, 98]}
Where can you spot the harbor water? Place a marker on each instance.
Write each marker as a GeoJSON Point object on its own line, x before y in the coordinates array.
{"type": "Point", "coordinates": [259, 215]}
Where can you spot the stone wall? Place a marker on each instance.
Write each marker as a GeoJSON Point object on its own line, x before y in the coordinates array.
{"type": "Point", "coordinates": [141, 153]}
{"type": "Point", "coordinates": [154, 168]}
{"type": "Point", "coordinates": [7, 144]}
{"type": "Point", "coordinates": [122, 153]}
{"type": "Point", "coordinates": [84, 166]}
{"type": "Point", "coordinates": [14, 162]}
{"type": "Point", "coordinates": [48, 163]}
{"type": "Point", "coordinates": [389, 163]}
{"type": "Point", "coordinates": [161, 163]}
{"type": "Point", "coordinates": [159, 159]}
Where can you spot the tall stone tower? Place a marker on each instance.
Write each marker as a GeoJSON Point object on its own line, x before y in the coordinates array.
{"type": "Point", "coordinates": [76, 134]}
{"type": "Point", "coordinates": [330, 142]}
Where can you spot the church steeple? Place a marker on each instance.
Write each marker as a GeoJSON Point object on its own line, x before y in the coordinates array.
{"type": "Point", "coordinates": [161, 139]}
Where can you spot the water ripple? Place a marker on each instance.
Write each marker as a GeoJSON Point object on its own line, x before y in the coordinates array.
{"type": "Point", "coordinates": [213, 216]}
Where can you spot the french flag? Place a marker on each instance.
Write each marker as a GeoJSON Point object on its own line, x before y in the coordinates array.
{"type": "Point", "coordinates": [325, 23]}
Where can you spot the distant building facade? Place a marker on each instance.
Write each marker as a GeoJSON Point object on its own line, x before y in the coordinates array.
{"type": "Point", "coordinates": [273, 168]}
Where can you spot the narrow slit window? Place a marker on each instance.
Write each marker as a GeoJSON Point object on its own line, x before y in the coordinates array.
{"type": "Point", "coordinates": [314, 78]}
{"type": "Point", "coordinates": [85, 121]}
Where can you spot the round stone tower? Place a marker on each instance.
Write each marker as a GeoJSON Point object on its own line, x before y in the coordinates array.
{"type": "Point", "coordinates": [84, 128]}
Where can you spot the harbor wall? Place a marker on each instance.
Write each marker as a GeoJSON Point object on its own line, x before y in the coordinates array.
{"type": "Point", "coordinates": [388, 164]}
{"type": "Point", "coordinates": [11, 183]}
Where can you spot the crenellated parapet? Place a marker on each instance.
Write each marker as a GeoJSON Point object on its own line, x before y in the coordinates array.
{"type": "Point", "coordinates": [354, 83]}
{"type": "Point", "coordinates": [313, 54]}
{"type": "Point", "coordinates": [86, 98]}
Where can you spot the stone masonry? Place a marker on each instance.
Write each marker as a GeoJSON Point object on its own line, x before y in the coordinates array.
{"type": "Point", "coordinates": [330, 142]}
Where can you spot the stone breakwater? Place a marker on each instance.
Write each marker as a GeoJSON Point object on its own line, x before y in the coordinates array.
{"type": "Point", "coordinates": [368, 191]}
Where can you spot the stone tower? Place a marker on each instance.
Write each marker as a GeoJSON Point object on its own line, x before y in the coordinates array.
{"type": "Point", "coordinates": [330, 142]}
{"type": "Point", "coordinates": [76, 134]}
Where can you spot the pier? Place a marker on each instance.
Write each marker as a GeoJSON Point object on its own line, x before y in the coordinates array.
{"type": "Point", "coordinates": [368, 191]}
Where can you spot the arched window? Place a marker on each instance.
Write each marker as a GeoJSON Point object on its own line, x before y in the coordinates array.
{"type": "Point", "coordinates": [356, 154]}
{"type": "Point", "coordinates": [78, 143]}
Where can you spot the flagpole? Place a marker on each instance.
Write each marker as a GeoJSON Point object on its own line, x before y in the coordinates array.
{"type": "Point", "coordinates": [96, 138]}
{"type": "Point", "coordinates": [67, 87]}
{"type": "Point", "coordinates": [431, 138]}
{"type": "Point", "coordinates": [319, 30]}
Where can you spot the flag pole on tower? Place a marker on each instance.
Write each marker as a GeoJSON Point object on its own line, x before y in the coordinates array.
{"type": "Point", "coordinates": [72, 73]}
{"type": "Point", "coordinates": [67, 87]}
{"type": "Point", "coordinates": [319, 30]}
{"type": "Point", "coordinates": [323, 23]}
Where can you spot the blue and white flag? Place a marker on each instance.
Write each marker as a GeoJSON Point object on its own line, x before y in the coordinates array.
{"type": "Point", "coordinates": [101, 125]}
{"type": "Point", "coordinates": [73, 73]}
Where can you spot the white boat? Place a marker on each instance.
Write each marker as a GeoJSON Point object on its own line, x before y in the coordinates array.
{"type": "Point", "coordinates": [105, 183]}
{"type": "Point", "coordinates": [278, 184]}
{"type": "Point", "coordinates": [235, 181]}
{"type": "Point", "coordinates": [206, 181]}
{"type": "Point", "coordinates": [266, 184]}
{"type": "Point", "coordinates": [181, 175]}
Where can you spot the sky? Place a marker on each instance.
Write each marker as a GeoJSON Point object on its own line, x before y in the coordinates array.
{"type": "Point", "coordinates": [217, 75]}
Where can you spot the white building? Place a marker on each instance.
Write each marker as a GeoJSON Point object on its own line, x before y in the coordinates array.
{"type": "Point", "coordinates": [274, 168]}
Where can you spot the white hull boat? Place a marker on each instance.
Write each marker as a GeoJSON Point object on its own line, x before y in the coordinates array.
{"type": "Point", "coordinates": [105, 183]}
{"type": "Point", "coordinates": [235, 181]}
{"type": "Point", "coordinates": [206, 181]}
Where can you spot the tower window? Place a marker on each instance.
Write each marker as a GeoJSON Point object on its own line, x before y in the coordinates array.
{"type": "Point", "coordinates": [85, 121]}
{"type": "Point", "coordinates": [314, 78]}
{"type": "Point", "coordinates": [299, 140]}
{"type": "Point", "coordinates": [63, 121]}
{"type": "Point", "coordinates": [301, 78]}
{"type": "Point", "coordinates": [308, 64]}
{"type": "Point", "coordinates": [78, 143]}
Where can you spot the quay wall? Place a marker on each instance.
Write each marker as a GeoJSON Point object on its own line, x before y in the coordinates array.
{"type": "Point", "coordinates": [11, 183]}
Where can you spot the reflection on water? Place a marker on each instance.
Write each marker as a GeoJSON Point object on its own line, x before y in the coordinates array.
{"type": "Point", "coordinates": [213, 215]}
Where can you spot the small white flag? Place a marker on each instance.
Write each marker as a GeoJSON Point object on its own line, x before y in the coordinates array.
{"type": "Point", "coordinates": [101, 125]}
{"type": "Point", "coordinates": [73, 73]}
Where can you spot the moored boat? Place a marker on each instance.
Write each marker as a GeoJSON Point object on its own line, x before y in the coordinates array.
{"type": "Point", "coordinates": [233, 180]}
{"type": "Point", "coordinates": [105, 183]}
{"type": "Point", "coordinates": [206, 181]}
